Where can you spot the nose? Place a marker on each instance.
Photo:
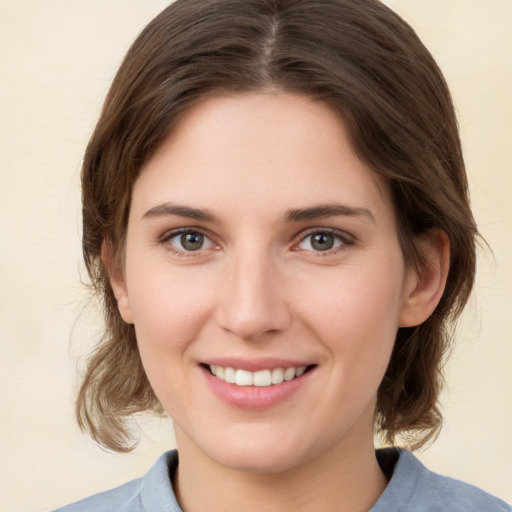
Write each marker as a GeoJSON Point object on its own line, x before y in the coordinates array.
{"type": "Point", "coordinates": [253, 303]}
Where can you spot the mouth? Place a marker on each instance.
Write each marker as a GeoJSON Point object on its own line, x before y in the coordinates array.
{"type": "Point", "coordinates": [261, 378]}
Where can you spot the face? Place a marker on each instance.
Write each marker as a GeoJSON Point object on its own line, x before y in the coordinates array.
{"type": "Point", "coordinates": [265, 280]}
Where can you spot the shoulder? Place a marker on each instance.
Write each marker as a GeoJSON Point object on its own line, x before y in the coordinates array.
{"type": "Point", "coordinates": [415, 488]}
{"type": "Point", "coordinates": [151, 492]}
{"type": "Point", "coordinates": [123, 498]}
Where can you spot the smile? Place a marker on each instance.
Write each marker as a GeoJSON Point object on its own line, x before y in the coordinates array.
{"type": "Point", "coordinates": [256, 384]}
{"type": "Point", "coordinates": [261, 378]}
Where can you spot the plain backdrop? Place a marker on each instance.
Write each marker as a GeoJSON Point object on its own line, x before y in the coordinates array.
{"type": "Point", "coordinates": [57, 58]}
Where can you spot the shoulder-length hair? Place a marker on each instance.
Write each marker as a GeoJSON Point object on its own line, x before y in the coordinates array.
{"type": "Point", "coordinates": [368, 65]}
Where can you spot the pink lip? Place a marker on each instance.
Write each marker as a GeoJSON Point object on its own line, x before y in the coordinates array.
{"type": "Point", "coordinates": [255, 365]}
{"type": "Point", "coordinates": [254, 397]}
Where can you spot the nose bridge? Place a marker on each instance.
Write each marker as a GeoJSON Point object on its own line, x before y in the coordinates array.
{"type": "Point", "coordinates": [253, 303]}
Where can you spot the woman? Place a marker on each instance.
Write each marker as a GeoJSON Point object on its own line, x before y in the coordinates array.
{"type": "Point", "coordinates": [276, 215]}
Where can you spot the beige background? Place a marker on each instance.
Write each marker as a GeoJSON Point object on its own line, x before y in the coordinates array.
{"type": "Point", "coordinates": [57, 58]}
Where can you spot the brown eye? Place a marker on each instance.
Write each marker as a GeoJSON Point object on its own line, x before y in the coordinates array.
{"type": "Point", "coordinates": [190, 241]}
{"type": "Point", "coordinates": [322, 241]}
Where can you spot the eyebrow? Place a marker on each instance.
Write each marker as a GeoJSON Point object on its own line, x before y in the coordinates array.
{"type": "Point", "coordinates": [327, 210]}
{"type": "Point", "coordinates": [169, 209]}
{"type": "Point", "coordinates": [295, 215]}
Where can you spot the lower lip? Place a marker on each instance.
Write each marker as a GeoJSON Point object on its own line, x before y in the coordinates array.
{"type": "Point", "coordinates": [255, 397]}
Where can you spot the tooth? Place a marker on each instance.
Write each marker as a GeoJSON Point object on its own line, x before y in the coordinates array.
{"type": "Point", "coordinates": [289, 373]}
{"type": "Point", "coordinates": [277, 375]}
{"type": "Point", "coordinates": [243, 378]}
{"type": "Point", "coordinates": [262, 378]}
{"type": "Point", "coordinates": [300, 371]}
{"type": "Point", "coordinates": [229, 375]}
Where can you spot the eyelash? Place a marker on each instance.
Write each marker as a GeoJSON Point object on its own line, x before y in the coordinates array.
{"type": "Point", "coordinates": [166, 239]}
{"type": "Point", "coordinates": [344, 240]}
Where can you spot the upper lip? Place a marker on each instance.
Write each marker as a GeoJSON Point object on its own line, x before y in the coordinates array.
{"type": "Point", "coordinates": [254, 365]}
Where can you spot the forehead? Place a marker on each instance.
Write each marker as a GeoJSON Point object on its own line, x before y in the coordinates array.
{"type": "Point", "coordinates": [281, 150]}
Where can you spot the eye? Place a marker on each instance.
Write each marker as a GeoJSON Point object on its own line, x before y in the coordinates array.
{"type": "Point", "coordinates": [322, 241]}
{"type": "Point", "coordinates": [189, 241]}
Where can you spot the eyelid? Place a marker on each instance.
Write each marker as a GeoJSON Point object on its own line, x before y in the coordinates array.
{"type": "Point", "coordinates": [169, 235]}
{"type": "Point", "coordinates": [346, 239]}
{"type": "Point", "coordinates": [343, 236]}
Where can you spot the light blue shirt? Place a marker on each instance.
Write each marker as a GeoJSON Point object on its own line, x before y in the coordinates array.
{"type": "Point", "coordinates": [412, 488]}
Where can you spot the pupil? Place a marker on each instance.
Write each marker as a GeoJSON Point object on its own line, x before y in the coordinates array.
{"type": "Point", "coordinates": [322, 242]}
{"type": "Point", "coordinates": [192, 241]}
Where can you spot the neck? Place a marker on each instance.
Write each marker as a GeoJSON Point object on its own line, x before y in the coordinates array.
{"type": "Point", "coordinates": [344, 479]}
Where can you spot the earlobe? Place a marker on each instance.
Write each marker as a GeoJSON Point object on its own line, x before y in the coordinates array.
{"type": "Point", "coordinates": [425, 285]}
{"type": "Point", "coordinates": [117, 281]}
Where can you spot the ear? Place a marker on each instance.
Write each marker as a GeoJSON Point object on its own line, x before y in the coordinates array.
{"type": "Point", "coordinates": [117, 281]}
{"type": "Point", "coordinates": [425, 284]}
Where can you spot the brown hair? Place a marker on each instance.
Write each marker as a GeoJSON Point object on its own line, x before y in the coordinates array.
{"type": "Point", "coordinates": [366, 63]}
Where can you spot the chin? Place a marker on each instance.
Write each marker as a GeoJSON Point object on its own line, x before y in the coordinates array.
{"type": "Point", "coordinates": [258, 461]}
{"type": "Point", "coordinates": [261, 454]}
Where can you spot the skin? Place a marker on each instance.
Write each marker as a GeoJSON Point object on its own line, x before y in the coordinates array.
{"type": "Point", "coordinates": [258, 287]}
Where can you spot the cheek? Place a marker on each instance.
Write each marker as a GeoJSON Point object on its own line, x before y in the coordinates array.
{"type": "Point", "coordinates": [169, 310]}
{"type": "Point", "coordinates": [354, 312]}
{"type": "Point", "coordinates": [356, 321]}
